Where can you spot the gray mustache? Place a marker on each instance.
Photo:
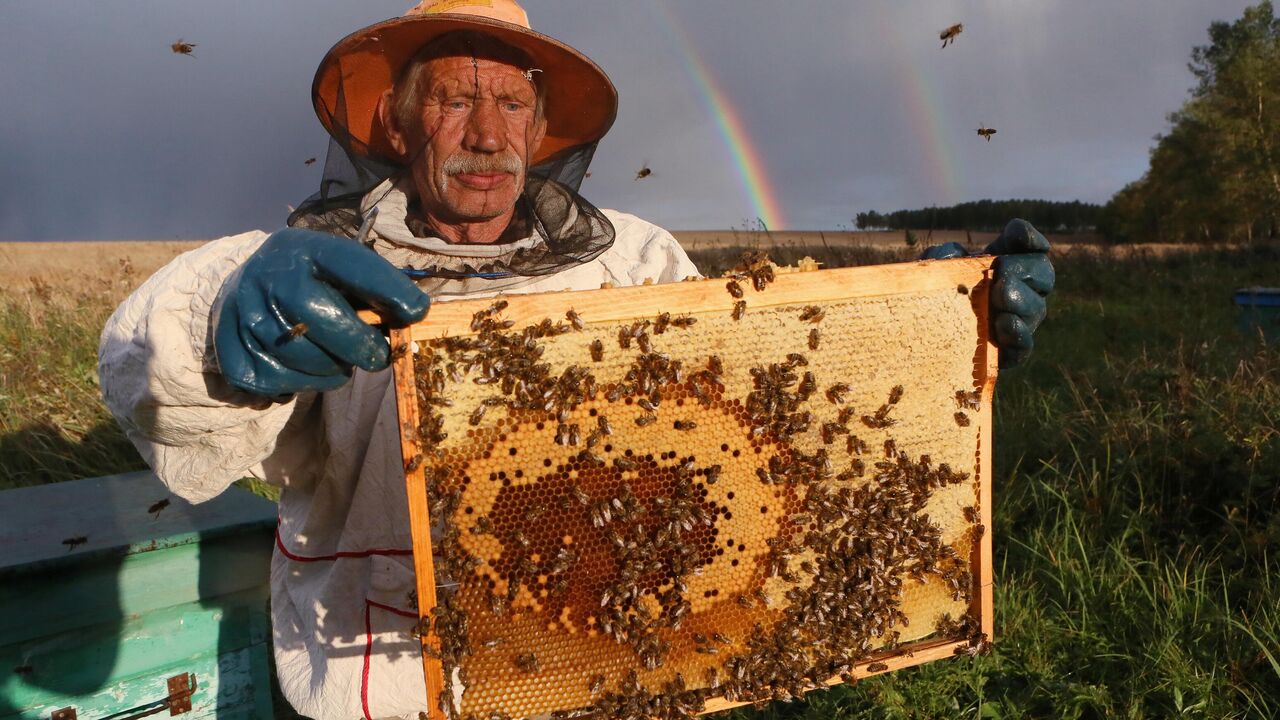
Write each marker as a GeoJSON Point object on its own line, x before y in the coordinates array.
{"type": "Point", "coordinates": [470, 163]}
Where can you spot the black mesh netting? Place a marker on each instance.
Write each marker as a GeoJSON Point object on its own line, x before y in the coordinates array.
{"type": "Point", "coordinates": [553, 228]}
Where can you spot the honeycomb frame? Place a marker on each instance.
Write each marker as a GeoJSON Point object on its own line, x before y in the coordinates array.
{"type": "Point", "coordinates": [959, 282]}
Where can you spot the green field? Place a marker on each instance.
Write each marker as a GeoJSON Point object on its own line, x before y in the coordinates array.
{"type": "Point", "coordinates": [1137, 486]}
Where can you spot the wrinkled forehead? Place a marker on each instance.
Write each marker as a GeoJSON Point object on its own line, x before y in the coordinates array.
{"type": "Point", "coordinates": [464, 75]}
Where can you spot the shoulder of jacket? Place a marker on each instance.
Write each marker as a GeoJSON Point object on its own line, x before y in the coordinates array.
{"type": "Point", "coordinates": [632, 233]}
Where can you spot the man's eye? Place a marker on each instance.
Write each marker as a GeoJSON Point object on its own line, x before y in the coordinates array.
{"type": "Point", "coordinates": [456, 105]}
{"type": "Point", "coordinates": [513, 106]}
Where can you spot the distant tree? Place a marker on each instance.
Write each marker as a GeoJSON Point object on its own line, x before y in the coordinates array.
{"type": "Point", "coordinates": [989, 216]}
{"type": "Point", "coordinates": [1215, 175]}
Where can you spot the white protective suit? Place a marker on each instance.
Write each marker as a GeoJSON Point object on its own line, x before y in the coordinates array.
{"type": "Point", "coordinates": [342, 569]}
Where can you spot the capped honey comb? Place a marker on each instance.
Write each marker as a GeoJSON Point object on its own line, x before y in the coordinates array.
{"type": "Point", "coordinates": [655, 502]}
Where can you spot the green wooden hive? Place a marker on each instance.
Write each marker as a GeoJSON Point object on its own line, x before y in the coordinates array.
{"type": "Point", "coordinates": [114, 603]}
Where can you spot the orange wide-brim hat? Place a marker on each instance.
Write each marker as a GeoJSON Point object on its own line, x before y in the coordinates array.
{"type": "Point", "coordinates": [580, 106]}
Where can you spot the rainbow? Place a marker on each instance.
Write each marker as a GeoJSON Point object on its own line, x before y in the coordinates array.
{"type": "Point", "coordinates": [746, 156]}
{"type": "Point", "coordinates": [925, 111]}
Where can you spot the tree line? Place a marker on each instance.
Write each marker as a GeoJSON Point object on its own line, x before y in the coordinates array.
{"type": "Point", "coordinates": [988, 216]}
{"type": "Point", "coordinates": [1215, 174]}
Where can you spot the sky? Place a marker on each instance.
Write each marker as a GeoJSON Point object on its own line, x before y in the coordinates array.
{"type": "Point", "coordinates": [797, 115]}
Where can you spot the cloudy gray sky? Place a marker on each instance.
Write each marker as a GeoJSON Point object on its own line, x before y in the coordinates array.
{"type": "Point", "coordinates": [802, 113]}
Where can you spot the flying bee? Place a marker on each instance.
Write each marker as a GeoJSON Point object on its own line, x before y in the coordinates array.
{"type": "Point", "coordinates": [895, 394]}
{"type": "Point", "coordinates": [644, 172]}
{"type": "Point", "coordinates": [597, 350]}
{"type": "Point", "coordinates": [575, 319]}
{"type": "Point", "coordinates": [836, 392]}
{"type": "Point", "coordinates": [684, 321]}
{"type": "Point", "coordinates": [182, 47]}
{"type": "Point", "coordinates": [73, 542]}
{"type": "Point", "coordinates": [814, 338]}
{"type": "Point", "coordinates": [812, 313]}
{"type": "Point", "coordinates": [157, 506]}
{"type": "Point", "coordinates": [961, 419]}
{"type": "Point", "coordinates": [309, 161]}
{"type": "Point", "coordinates": [734, 289]}
{"type": "Point", "coordinates": [948, 36]}
{"type": "Point", "coordinates": [986, 132]}
{"type": "Point", "coordinates": [739, 309]}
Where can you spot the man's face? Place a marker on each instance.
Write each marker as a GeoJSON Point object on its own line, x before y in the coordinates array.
{"type": "Point", "coordinates": [472, 139]}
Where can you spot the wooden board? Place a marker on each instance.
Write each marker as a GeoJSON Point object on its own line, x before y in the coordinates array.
{"type": "Point", "coordinates": [920, 325]}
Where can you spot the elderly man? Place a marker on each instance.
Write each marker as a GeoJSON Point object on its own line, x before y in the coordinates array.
{"type": "Point", "coordinates": [461, 136]}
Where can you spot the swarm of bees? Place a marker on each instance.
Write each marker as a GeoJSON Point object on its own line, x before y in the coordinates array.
{"type": "Point", "coordinates": [182, 47]}
{"type": "Point", "coordinates": [844, 602]}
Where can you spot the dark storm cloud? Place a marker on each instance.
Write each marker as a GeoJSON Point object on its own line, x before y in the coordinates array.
{"type": "Point", "coordinates": [105, 133]}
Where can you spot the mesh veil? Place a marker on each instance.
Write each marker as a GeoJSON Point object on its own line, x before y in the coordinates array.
{"type": "Point", "coordinates": [572, 231]}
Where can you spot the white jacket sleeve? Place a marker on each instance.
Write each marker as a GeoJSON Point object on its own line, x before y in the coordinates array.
{"type": "Point", "coordinates": [159, 377]}
{"type": "Point", "coordinates": [651, 252]}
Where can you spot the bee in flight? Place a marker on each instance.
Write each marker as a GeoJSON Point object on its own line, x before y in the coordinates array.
{"type": "Point", "coordinates": [948, 36]}
{"type": "Point", "coordinates": [986, 132]}
{"type": "Point", "coordinates": [309, 161]}
{"type": "Point", "coordinates": [182, 47]}
{"type": "Point", "coordinates": [644, 172]}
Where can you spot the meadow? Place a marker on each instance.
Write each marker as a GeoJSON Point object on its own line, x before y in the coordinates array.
{"type": "Point", "coordinates": [1137, 484]}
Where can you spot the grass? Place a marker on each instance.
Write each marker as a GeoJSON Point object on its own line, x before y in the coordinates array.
{"type": "Point", "coordinates": [1137, 486]}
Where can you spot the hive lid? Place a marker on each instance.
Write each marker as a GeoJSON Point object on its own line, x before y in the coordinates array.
{"type": "Point", "coordinates": [112, 514]}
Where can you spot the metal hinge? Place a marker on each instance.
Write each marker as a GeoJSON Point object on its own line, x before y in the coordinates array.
{"type": "Point", "coordinates": [181, 688]}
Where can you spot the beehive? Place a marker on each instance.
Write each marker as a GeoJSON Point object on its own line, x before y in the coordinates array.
{"type": "Point", "coordinates": [652, 502]}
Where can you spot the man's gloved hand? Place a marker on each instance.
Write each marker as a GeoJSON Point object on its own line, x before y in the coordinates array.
{"type": "Point", "coordinates": [1023, 277]}
{"type": "Point", "coordinates": [301, 280]}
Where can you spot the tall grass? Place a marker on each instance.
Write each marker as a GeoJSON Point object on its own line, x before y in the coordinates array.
{"type": "Point", "coordinates": [1137, 468]}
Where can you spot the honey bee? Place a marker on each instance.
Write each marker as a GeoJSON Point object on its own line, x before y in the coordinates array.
{"type": "Point", "coordinates": [986, 132]}
{"type": "Point", "coordinates": [877, 667]}
{"type": "Point", "coordinates": [528, 662]}
{"type": "Point", "coordinates": [575, 319]}
{"type": "Point", "coordinates": [948, 36]}
{"type": "Point", "coordinates": [73, 542]}
{"type": "Point", "coordinates": [971, 514]}
{"type": "Point", "coordinates": [182, 47]}
{"type": "Point", "coordinates": [684, 321]}
{"type": "Point", "coordinates": [624, 339]}
{"type": "Point", "coordinates": [157, 506]}
{"type": "Point", "coordinates": [814, 338]}
{"type": "Point", "coordinates": [309, 161]}
{"type": "Point", "coordinates": [836, 392]}
{"type": "Point", "coordinates": [597, 350]}
{"type": "Point", "coordinates": [969, 400]}
{"type": "Point", "coordinates": [646, 419]}
{"type": "Point", "coordinates": [644, 172]}
{"type": "Point", "coordinates": [739, 309]}
{"type": "Point", "coordinates": [661, 322]}
{"type": "Point", "coordinates": [961, 419]}
{"type": "Point", "coordinates": [895, 394]}
{"type": "Point", "coordinates": [962, 289]}
{"type": "Point", "coordinates": [685, 425]}
{"type": "Point", "coordinates": [297, 330]}
{"type": "Point", "coordinates": [603, 424]}
{"type": "Point", "coordinates": [812, 313]}
{"type": "Point", "coordinates": [734, 289]}
{"type": "Point", "coordinates": [478, 414]}
{"type": "Point", "coordinates": [596, 685]}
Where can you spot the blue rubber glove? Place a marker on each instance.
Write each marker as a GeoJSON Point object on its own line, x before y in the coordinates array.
{"type": "Point", "coordinates": [301, 280]}
{"type": "Point", "coordinates": [1023, 277]}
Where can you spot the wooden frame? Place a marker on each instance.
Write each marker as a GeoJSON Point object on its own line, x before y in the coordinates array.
{"type": "Point", "coordinates": [970, 275]}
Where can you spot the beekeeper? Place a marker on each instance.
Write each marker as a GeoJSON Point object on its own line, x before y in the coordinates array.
{"type": "Point", "coordinates": [459, 138]}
